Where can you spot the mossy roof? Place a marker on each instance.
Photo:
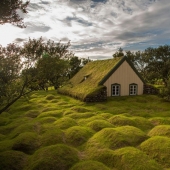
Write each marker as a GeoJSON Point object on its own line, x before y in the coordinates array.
{"type": "Point", "coordinates": [92, 76]}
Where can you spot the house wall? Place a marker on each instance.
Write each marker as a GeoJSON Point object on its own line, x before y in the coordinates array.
{"type": "Point", "coordinates": [124, 76]}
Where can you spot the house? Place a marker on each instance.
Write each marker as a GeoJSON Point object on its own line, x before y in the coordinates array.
{"type": "Point", "coordinates": [100, 79]}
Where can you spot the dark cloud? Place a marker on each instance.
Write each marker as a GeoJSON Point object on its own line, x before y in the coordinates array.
{"type": "Point", "coordinates": [36, 28]}
{"type": "Point", "coordinates": [19, 40]}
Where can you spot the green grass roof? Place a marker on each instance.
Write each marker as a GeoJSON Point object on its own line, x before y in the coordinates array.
{"type": "Point", "coordinates": [95, 72]}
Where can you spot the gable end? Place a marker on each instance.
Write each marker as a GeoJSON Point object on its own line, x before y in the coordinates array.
{"type": "Point", "coordinates": [117, 66]}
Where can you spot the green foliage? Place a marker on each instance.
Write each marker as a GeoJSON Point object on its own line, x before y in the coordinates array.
{"type": "Point", "coordinates": [9, 12]}
{"type": "Point", "coordinates": [158, 148]}
{"type": "Point", "coordinates": [54, 157]}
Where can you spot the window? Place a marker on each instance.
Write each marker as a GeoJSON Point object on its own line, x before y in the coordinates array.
{"type": "Point", "coordinates": [115, 90]}
{"type": "Point", "coordinates": [133, 89]}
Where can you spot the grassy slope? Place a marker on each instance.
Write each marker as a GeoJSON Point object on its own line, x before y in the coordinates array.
{"type": "Point", "coordinates": [52, 131]}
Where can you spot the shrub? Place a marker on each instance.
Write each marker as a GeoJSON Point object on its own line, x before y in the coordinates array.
{"type": "Point", "coordinates": [130, 158]}
{"type": "Point", "coordinates": [158, 148]}
{"type": "Point", "coordinates": [89, 165]}
{"type": "Point", "coordinates": [13, 160]}
{"type": "Point", "coordinates": [61, 157]}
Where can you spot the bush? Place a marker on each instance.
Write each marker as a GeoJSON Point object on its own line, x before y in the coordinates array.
{"type": "Point", "coordinates": [54, 157]}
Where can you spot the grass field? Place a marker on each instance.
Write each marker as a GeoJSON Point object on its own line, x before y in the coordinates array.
{"type": "Point", "coordinates": [48, 131]}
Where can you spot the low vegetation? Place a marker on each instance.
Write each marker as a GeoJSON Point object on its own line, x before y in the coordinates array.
{"type": "Point", "coordinates": [51, 131]}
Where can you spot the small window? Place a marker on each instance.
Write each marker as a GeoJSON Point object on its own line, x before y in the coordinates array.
{"type": "Point", "coordinates": [133, 89]}
{"type": "Point", "coordinates": [115, 90]}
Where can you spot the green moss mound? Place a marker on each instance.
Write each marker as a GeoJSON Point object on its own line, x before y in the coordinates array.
{"type": "Point", "coordinates": [117, 137]}
{"type": "Point", "coordinates": [32, 113]}
{"type": "Point", "coordinates": [49, 119]}
{"type": "Point", "coordinates": [80, 109]}
{"type": "Point", "coordinates": [101, 155]}
{"type": "Point", "coordinates": [65, 122]}
{"type": "Point", "coordinates": [26, 142]}
{"type": "Point", "coordinates": [27, 127]}
{"type": "Point", "coordinates": [142, 123]}
{"type": "Point", "coordinates": [158, 148]}
{"type": "Point", "coordinates": [6, 145]}
{"type": "Point", "coordinates": [90, 119]}
{"type": "Point", "coordinates": [52, 136]}
{"type": "Point", "coordinates": [89, 165]}
{"type": "Point", "coordinates": [97, 125]}
{"type": "Point", "coordinates": [54, 157]}
{"type": "Point", "coordinates": [78, 135]}
{"type": "Point", "coordinates": [130, 158]}
{"type": "Point", "coordinates": [120, 120]}
{"type": "Point", "coordinates": [4, 121]}
{"type": "Point", "coordinates": [13, 160]}
{"type": "Point", "coordinates": [54, 113]}
{"type": "Point", "coordinates": [81, 115]}
{"type": "Point", "coordinates": [50, 97]}
{"type": "Point", "coordinates": [160, 121]}
{"type": "Point", "coordinates": [161, 130]}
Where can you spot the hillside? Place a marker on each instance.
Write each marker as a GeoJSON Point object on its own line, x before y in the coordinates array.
{"type": "Point", "coordinates": [52, 131]}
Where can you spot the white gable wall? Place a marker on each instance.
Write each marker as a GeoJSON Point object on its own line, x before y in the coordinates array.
{"type": "Point", "coordinates": [124, 76]}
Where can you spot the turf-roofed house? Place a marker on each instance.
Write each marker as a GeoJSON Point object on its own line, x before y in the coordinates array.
{"type": "Point", "coordinates": [100, 79]}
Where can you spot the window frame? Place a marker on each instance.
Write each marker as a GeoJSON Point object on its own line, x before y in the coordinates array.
{"type": "Point", "coordinates": [119, 89]}
{"type": "Point", "coordinates": [134, 90]}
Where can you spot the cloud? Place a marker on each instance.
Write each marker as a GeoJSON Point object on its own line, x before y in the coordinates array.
{"type": "Point", "coordinates": [98, 27]}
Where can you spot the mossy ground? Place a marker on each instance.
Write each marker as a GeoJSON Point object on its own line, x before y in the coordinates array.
{"type": "Point", "coordinates": [52, 131]}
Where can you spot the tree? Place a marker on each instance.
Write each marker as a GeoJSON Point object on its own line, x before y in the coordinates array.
{"type": "Point", "coordinates": [12, 86]}
{"type": "Point", "coordinates": [9, 12]}
{"type": "Point", "coordinates": [159, 62]}
{"type": "Point", "coordinates": [118, 53]}
{"type": "Point", "coordinates": [24, 69]}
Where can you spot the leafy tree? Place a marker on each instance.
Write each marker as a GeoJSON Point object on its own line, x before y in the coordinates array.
{"type": "Point", "coordinates": [12, 86]}
{"type": "Point", "coordinates": [9, 12]}
{"type": "Point", "coordinates": [118, 53]}
{"type": "Point", "coordinates": [159, 62]}
{"type": "Point", "coordinates": [27, 68]}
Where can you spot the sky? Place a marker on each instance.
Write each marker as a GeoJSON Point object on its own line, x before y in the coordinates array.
{"type": "Point", "coordinates": [95, 28]}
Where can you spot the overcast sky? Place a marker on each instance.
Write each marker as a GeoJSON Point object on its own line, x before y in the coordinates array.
{"type": "Point", "coordinates": [96, 28]}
